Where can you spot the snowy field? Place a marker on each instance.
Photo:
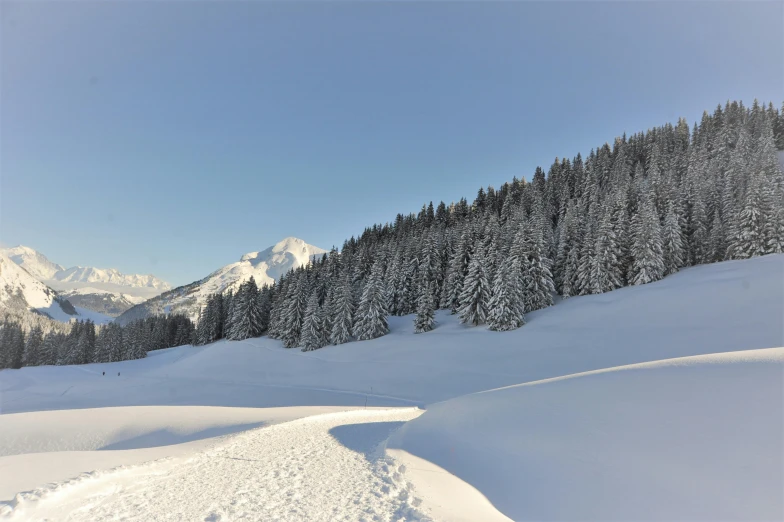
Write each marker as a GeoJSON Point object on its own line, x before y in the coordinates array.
{"type": "Point", "coordinates": [697, 438]}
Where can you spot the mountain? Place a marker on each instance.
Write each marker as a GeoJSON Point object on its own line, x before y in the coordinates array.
{"type": "Point", "coordinates": [265, 266]}
{"type": "Point", "coordinates": [35, 263]}
{"type": "Point", "coordinates": [81, 274]}
{"type": "Point", "coordinates": [105, 291]}
{"type": "Point", "coordinates": [20, 291]}
{"type": "Point", "coordinates": [101, 301]}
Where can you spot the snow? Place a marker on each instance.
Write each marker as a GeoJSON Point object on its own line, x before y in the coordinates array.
{"type": "Point", "coordinates": [697, 438]}
{"type": "Point", "coordinates": [34, 262]}
{"type": "Point", "coordinates": [666, 439]}
{"type": "Point", "coordinates": [80, 274]}
{"type": "Point", "coordinates": [54, 446]}
{"type": "Point", "coordinates": [20, 290]}
{"type": "Point", "coordinates": [323, 467]}
{"type": "Point", "coordinates": [265, 267]}
{"type": "Point", "coordinates": [83, 314]}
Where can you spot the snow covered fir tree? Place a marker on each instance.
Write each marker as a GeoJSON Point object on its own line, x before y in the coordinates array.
{"type": "Point", "coordinates": [629, 213]}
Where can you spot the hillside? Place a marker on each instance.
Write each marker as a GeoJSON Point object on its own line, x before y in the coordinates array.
{"type": "Point", "coordinates": [107, 292]}
{"type": "Point", "coordinates": [265, 267]}
{"type": "Point", "coordinates": [715, 309]}
{"type": "Point", "coordinates": [20, 291]}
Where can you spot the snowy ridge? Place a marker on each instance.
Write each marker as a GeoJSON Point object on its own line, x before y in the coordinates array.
{"type": "Point", "coordinates": [80, 274]}
{"type": "Point", "coordinates": [36, 264]}
{"type": "Point", "coordinates": [21, 291]}
{"type": "Point", "coordinates": [105, 292]}
{"type": "Point", "coordinates": [44, 270]}
{"type": "Point", "coordinates": [265, 267]}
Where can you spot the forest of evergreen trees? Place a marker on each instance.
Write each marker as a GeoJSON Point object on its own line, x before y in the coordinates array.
{"type": "Point", "coordinates": [81, 342]}
{"type": "Point", "coordinates": [628, 214]}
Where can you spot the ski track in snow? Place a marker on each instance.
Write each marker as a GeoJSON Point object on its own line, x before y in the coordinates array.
{"type": "Point", "coordinates": [327, 467]}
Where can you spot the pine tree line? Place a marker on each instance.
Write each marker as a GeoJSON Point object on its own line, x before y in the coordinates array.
{"type": "Point", "coordinates": [629, 214]}
{"type": "Point", "coordinates": [82, 342]}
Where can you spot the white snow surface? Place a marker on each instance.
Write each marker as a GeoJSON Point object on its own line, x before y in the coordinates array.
{"type": "Point", "coordinates": [85, 314]}
{"type": "Point", "coordinates": [19, 289]}
{"type": "Point", "coordinates": [695, 438]}
{"type": "Point", "coordinates": [683, 439]}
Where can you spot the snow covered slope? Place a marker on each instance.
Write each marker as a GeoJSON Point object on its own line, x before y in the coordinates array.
{"type": "Point", "coordinates": [694, 438]}
{"type": "Point", "coordinates": [21, 291]}
{"type": "Point", "coordinates": [101, 301]}
{"type": "Point", "coordinates": [105, 291]}
{"type": "Point", "coordinates": [36, 264]}
{"type": "Point", "coordinates": [665, 440]}
{"type": "Point", "coordinates": [265, 267]}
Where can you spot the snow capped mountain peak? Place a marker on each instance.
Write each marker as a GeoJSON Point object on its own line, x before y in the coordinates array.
{"type": "Point", "coordinates": [265, 266]}
{"type": "Point", "coordinates": [36, 264]}
{"type": "Point", "coordinates": [20, 291]}
{"type": "Point", "coordinates": [44, 270]}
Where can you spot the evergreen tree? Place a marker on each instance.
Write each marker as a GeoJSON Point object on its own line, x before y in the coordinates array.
{"type": "Point", "coordinates": [342, 313]}
{"type": "Point", "coordinates": [672, 241]}
{"type": "Point", "coordinates": [295, 313]}
{"type": "Point", "coordinates": [647, 257]}
{"type": "Point", "coordinates": [314, 335]}
{"type": "Point", "coordinates": [476, 292]}
{"type": "Point", "coordinates": [371, 318]}
{"type": "Point", "coordinates": [426, 311]}
{"type": "Point", "coordinates": [32, 349]}
{"type": "Point", "coordinates": [507, 304]}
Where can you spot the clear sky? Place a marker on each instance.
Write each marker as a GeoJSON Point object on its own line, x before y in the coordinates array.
{"type": "Point", "coordinates": [171, 137]}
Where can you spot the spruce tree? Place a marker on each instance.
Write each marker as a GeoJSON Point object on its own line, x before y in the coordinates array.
{"type": "Point", "coordinates": [476, 292]}
{"type": "Point", "coordinates": [371, 318]}
{"type": "Point", "coordinates": [426, 311]}
{"type": "Point", "coordinates": [32, 349]}
{"type": "Point", "coordinates": [647, 257]}
{"type": "Point", "coordinates": [672, 241]}
{"type": "Point", "coordinates": [507, 304]}
{"type": "Point", "coordinates": [314, 334]}
{"type": "Point", "coordinates": [342, 314]}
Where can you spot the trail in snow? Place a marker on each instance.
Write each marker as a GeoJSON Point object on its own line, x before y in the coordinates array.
{"type": "Point", "coordinates": [328, 467]}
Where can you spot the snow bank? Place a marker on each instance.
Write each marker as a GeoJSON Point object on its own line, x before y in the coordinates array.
{"type": "Point", "coordinates": [698, 438]}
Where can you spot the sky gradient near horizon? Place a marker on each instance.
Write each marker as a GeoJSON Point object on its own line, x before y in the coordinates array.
{"type": "Point", "coordinates": [172, 137]}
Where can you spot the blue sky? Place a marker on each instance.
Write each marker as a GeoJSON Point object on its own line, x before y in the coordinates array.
{"type": "Point", "coordinates": [172, 137]}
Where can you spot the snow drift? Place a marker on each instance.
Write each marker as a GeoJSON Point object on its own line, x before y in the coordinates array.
{"type": "Point", "coordinates": [696, 438]}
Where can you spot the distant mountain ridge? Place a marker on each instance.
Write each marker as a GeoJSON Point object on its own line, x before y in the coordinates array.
{"type": "Point", "coordinates": [265, 266]}
{"type": "Point", "coordinates": [106, 291]}
{"type": "Point", "coordinates": [40, 267]}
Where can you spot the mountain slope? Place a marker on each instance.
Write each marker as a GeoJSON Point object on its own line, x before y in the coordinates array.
{"type": "Point", "coordinates": [35, 263]}
{"type": "Point", "coordinates": [106, 291]}
{"type": "Point", "coordinates": [21, 291]}
{"type": "Point", "coordinates": [265, 266]}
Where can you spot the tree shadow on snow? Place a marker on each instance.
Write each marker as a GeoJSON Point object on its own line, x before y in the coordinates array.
{"type": "Point", "coordinates": [364, 438]}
